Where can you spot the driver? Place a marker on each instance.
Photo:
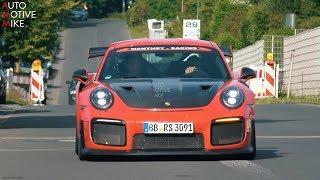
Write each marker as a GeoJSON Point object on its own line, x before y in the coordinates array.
{"type": "Point", "coordinates": [193, 65]}
{"type": "Point", "coordinates": [133, 66]}
{"type": "Point", "coordinates": [194, 68]}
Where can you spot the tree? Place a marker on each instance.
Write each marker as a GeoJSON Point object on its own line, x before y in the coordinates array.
{"type": "Point", "coordinates": [102, 8]}
{"type": "Point", "coordinates": [39, 37]}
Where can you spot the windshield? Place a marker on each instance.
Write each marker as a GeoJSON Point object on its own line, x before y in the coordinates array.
{"type": "Point", "coordinates": [164, 64]}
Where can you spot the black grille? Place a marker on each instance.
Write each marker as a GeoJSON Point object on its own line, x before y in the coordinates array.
{"type": "Point", "coordinates": [167, 142]}
{"type": "Point", "coordinates": [109, 134]}
{"type": "Point", "coordinates": [227, 133]}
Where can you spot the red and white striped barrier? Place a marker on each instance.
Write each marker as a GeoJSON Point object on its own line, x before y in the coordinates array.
{"type": "Point", "coordinates": [36, 86]}
{"type": "Point", "coordinates": [267, 81]}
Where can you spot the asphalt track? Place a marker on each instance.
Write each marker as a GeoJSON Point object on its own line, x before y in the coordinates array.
{"type": "Point", "coordinates": [36, 143]}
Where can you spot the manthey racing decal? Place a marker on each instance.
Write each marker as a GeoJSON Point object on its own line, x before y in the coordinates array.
{"type": "Point", "coordinates": [162, 48]}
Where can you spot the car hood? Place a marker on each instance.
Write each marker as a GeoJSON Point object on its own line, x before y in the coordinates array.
{"type": "Point", "coordinates": [166, 93]}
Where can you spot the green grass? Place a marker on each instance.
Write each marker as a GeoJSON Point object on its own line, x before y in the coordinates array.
{"type": "Point", "coordinates": [139, 31]}
{"type": "Point", "coordinates": [291, 100]}
{"type": "Point", "coordinates": [14, 97]}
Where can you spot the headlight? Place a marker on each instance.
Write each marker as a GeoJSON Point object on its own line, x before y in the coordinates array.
{"type": "Point", "coordinates": [232, 97]}
{"type": "Point", "coordinates": [101, 99]}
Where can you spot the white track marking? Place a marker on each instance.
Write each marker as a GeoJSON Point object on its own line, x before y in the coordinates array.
{"type": "Point", "coordinates": [288, 137]}
{"type": "Point", "coordinates": [67, 140]}
{"type": "Point", "coordinates": [249, 168]}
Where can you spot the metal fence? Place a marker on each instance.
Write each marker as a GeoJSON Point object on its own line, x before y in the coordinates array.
{"type": "Point", "coordinates": [17, 83]}
{"type": "Point", "coordinates": [298, 31]}
{"type": "Point", "coordinates": [303, 51]}
{"type": "Point", "coordinates": [256, 53]}
{"type": "Point", "coordinates": [274, 44]}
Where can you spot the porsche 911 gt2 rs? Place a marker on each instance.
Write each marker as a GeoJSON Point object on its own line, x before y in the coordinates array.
{"type": "Point", "coordinates": [163, 97]}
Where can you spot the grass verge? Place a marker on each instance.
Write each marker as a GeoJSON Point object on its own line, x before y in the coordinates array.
{"type": "Point", "coordinates": [291, 100]}
{"type": "Point", "coordinates": [139, 31]}
{"type": "Point", "coordinates": [14, 97]}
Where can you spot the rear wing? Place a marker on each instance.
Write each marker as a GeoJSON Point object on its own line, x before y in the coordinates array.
{"type": "Point", "coordinates": [226, 50]}
{"type": "Point", "coordinates": [96, 52]}
{"type": "Point", "coordinates": [228, 54]}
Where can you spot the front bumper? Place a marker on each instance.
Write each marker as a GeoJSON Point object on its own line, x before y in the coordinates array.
{"type": "Point", "coordinates": [136, 143]}
{"type": "Point", "coordinates": [133, 119]}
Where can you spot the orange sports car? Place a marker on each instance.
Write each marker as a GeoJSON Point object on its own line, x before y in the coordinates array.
{"type": "Point", "coordinates": [163, 97]}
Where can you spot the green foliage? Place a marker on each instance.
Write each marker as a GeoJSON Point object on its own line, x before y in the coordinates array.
{"type": "Point", "coordinates": [310, 23]}
{"type": "Point", "coordinates": [142, 10]}
{"type": "Point", "coordinates": [139, 31]}
{"type": "Point", "coordinates": [102, 8]}
{"type": "Point", "coordinates": [175, 29]}
{"type": "Point", "coordinates": [164, 9]}
{"type": "Point", "coordinates": [138, 13]}
{"type": "Point", "coordinates": [235, 22]}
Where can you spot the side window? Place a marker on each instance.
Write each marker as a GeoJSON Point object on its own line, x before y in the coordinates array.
{"type": "Point", "coordinates": [111, 67]}
{"type": "Point", "coordinates": [215, 66]}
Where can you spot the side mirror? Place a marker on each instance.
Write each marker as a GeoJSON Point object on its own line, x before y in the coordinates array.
{"type": "Point", "coordinates": [80, 75]}
{"type": "Point", "coordinates": [247, 73]}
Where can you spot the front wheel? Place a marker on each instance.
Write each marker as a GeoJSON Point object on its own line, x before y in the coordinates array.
{"type": "Point", "coordinates": [252, 155]}
{"type": "Point", "coordinates": [80, 147]}
{"type": "Point", "coordinates": [3, 98]}
{"type": "Point", "coordinates": [76, 151]}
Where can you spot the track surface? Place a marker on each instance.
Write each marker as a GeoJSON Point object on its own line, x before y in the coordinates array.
{"type": "Point", "coordinates": [36, 143]}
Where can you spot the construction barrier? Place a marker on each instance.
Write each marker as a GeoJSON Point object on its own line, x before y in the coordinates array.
{"type": "Point", "coordinates": [37, 86]}
{"type": "Point", "coordinates": [267, 81]}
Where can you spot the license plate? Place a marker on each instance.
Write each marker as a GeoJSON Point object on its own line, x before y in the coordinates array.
{"type": "Point", "coordinates": [167, 128]}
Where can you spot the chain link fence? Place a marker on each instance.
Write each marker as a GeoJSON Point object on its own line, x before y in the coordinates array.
{"type": "Point", "coordinates": [274, 44]}
{"type": "Point", "coordinates": [298, 31]}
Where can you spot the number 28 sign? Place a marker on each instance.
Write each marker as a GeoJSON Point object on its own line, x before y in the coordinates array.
{"type": "Point", "coordinates": [191, 28]}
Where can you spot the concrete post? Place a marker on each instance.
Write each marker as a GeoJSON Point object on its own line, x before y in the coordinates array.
{"type": "Point", "coordinates": [9, 75]}
{"type": "Point", "coordinates": [290, 75]}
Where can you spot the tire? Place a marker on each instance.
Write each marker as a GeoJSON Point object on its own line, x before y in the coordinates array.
{"type": "Point", "coordinates": [252, 155]}
{"type": "Point", "coordinates": [80, 147]}
{"type": "Point", "coordinates": [3, 98]}
{"type": "Point", "coordinates": [76, 145]}
{"type": "Point", "coordinates": [44, 102]}
{"type": "Point", "coordinates": [71, 101]}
